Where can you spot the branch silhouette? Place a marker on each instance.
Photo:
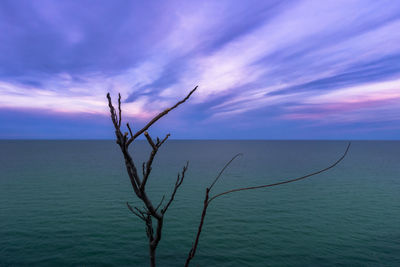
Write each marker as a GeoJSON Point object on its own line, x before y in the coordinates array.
{"type": "Point", "coordinates": [208, 199]}
{"type": "Point", "coordinates": [149, 212]}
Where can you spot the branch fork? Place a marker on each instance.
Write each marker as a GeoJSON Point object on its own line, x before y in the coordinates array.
{"type": "Point", "coordinates": [139, 183]}
{"type": "Point", "coordinates": [208, 198]}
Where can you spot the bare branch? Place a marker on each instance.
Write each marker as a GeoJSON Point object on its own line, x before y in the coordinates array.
{"type": "Point", "coordinates": [146, 134]}
{"type": "Point", "coordinates": [149, 228]}
{"type": "Point", "coordinates": [134, 212]}
{"type": "Point", "coordinates": [129, 128]}
{"type": "Point", "coordinates": [223, 169]}
{"type": "Point", "coordinates": [139, 186]}
{"type": "Point", "coordinates": [132, 172]}
{"type": "Point", "coordinates": [192, 251]}
{"type": "Point", "coordinates": [208, 200]}
{"type": "Point", "coordinates": [145, 212]}
{"type": "Point", "coordinates": [157, 238]}
{"type": "Point", "coordinates": [165, 112]}
{"type": "Point", "coordinates": [286, 181]}
{"type": "Point", "coordinates": [119, 110]}
{"type": "Point", "coordinates": [178, 183]}
{"type": "Point", "coordinates": [159, 204]}
{"type": "Point", "coordinates": [162, 141]}
{"type": "Point", "coordinates": [112, 111]}
{"type": "Point", "coordinates": [147, 170]}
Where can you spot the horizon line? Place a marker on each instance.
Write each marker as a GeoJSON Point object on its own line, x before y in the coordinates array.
{"type": "Point", "coordinates": [196, 139]}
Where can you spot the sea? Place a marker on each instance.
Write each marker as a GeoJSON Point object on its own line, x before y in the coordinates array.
{"type": "Point", "coordinates": [63, 203]}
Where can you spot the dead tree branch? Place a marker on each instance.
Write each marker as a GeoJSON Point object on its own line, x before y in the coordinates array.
{"type": "Point", "coordinates": [208, 199]}
{"type": "Point", "coordinates": [159, 116]}
{"type": "Point", "coordinates": [139, 184]}
{"type": "Point", "coordinates": [178, 183]}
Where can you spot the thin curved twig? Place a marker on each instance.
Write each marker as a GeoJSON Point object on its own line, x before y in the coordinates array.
{"type": "Point", "coordinates": [284, 182]}
{"type": "Point", "coordinates": [223, 169]}
{"type": "Point", "coordinates": [207, 198]}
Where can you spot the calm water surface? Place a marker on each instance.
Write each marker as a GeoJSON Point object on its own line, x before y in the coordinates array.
{"type": "Point", "coordinates": [63, 203]}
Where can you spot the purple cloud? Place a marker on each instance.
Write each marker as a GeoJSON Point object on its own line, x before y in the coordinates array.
{"type": "Point", "coordinates": [291, 65]}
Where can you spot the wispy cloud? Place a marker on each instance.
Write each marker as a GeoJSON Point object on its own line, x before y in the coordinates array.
{"type": "Point", "coordinates": [304, 62]}
{"type": "Point", "coordinates": [363, 103]}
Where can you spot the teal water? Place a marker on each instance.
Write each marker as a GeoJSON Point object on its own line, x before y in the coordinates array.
{"type": "Point", "coordinates": [63, 203]}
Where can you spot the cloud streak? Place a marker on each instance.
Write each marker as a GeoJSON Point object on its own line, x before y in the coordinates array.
{"type": "Point", "coordinates": [301, 62]}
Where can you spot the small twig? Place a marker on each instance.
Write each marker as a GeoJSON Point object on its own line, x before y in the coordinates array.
{"type": "Point", "coordinates": [148, 168]}
{"type": "Point", "coordinates": [146, 134]}
{"type": "Point", "coordinates": [178, 183]}
{"type": "Point", "coordinates": [159, 204]}
{"type": "Point", "coordinates": [160, 115]}
{"type": "Point", "coordinates": [146, 211]}
{"type": "Point", "coordinates": [223, 169]}
{"type": "Point", "coordinates": [207, 199]}
{"type": "Point", "coordinates": [162, 142]}
{"type": "Point", "coordinates": [112, 111]}
{"type": "Point", "coordinates": [155, 147]}
{"type": "Point", "coordinates": [134, 212]}
{"type": "Point", "coordinates": [286, 181]}
{"type": "Point", "coordinates": [119, 110]}
{"type": "Point", "coordinates": [129, 128]}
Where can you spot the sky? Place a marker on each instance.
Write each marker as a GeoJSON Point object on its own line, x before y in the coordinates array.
{"type": "Point", "coordinates": [265, 69]}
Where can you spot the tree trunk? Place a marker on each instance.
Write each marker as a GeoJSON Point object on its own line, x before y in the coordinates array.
{"type": "Point", "coordinates": [152, 256]}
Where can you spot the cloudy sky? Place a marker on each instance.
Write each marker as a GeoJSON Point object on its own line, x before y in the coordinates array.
{"type": "Point", "coordinates": [265, 69]}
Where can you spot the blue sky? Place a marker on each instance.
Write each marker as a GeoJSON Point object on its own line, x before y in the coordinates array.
{"type": "Point", "coordinates": [265, 69]}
